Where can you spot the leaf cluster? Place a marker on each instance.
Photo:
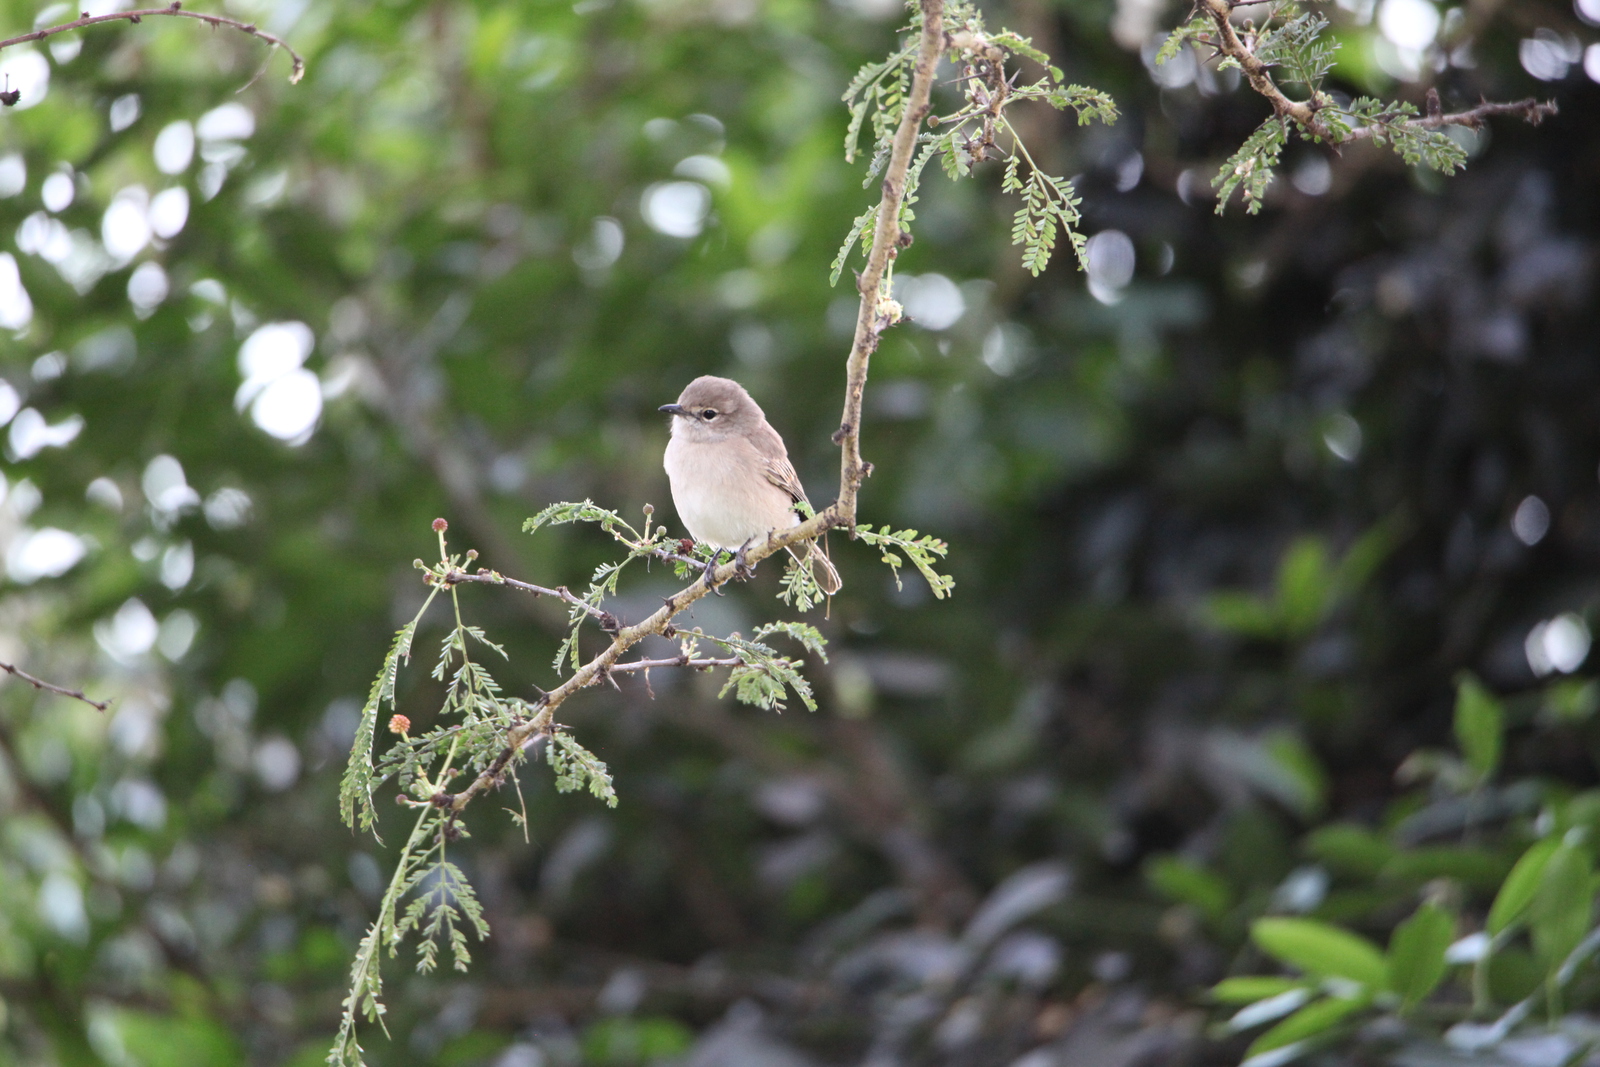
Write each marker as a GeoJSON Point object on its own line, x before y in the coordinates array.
{"type": "Point", "coordinates": [1294, 42]}
{"type": "Point", "coordinates": [1510, 921]}
{"type": "Point", "coordinates": [968, 136]}
{"type": "Point", "coordinates": [898, 546]}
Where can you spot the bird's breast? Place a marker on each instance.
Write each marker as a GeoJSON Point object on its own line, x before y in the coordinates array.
{"type": "Point", "coordinates": [722, 493]}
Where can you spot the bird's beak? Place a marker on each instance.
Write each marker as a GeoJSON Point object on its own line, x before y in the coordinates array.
{"type": "Point", "coordinates": [674, 409]}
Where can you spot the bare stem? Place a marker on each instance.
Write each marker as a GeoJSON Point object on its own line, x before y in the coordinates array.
{"type": "Point", "coordinates": [39, 683]}
{"type": "Point", "coordinates": [174, 10]}
{"type": "Point", "coordinates": [676, 661]}
{"type": "Point", "coordinates": [873, 318]}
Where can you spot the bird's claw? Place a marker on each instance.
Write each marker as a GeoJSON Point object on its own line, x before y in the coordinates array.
{"type": "Point", "coordinates": [741, 567]}
{"type": "Point", "coordinates": [711, 567]}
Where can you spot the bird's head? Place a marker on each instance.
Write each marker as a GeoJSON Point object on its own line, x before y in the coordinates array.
{"type": "Point", "coordinates": [712, 408]}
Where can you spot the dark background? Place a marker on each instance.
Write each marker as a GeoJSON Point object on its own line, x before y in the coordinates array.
{"type": "Point", "coordinates": [1222, 539]}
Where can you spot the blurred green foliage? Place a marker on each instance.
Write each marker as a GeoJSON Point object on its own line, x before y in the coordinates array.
{"type": "Point", "coordinates": [1226, 529]}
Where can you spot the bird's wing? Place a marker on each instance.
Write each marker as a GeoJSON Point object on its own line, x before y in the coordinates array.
{"type": "Point", "coordinates": [780, 472]}
{"type": "Point", "coordinates": [775, 462]}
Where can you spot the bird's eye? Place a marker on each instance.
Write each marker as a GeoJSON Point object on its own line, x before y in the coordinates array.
{"type": "Point", "coordinates": [708, 414]}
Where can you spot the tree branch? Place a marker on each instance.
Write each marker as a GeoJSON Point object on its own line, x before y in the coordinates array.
{"type": "Point", "coordinates": [1529, 110]}
{"type": "Point", "coordinates": [875, 314]}
{"type": "Point", "coordinates": [39, 683]}
{"type": "Point", "coordinates": [872, 320]}
{"type": "Point", "coordinates": [675, 661]}
{"type": "Point", "coordinates": [174, 10]}
{"type": "Point", "coordinates": [1305, 113]}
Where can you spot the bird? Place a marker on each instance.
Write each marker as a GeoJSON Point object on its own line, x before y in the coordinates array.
{"type": "Point", "coordinates": [731, 478]}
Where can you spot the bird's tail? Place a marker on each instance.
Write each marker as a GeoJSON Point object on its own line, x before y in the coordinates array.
{"type": "Point", "coordinates": [822, 568]}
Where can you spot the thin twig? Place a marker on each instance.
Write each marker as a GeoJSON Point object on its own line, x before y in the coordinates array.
{"type": "Point", "coordinates": [675, 661]}
{"type": "Point", "coordinates": [39, 683]}
{"type": "Point", "coordinates": [174, 10]}
{"type": "Point", "coordinates": [560, 592]}
{"type": "Point", "coordinates": [1530, 111]}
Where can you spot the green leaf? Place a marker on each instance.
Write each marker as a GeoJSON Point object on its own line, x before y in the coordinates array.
{"type": "Point", "coordinates": [1520, 886]}
{"type": "Point", "coordinates": [1244, 614]}
{"type": "Point", "coordinates": [1572, 699]}
{"type": "Point", "coordinates": [1250, 168]}
{"type": "Point", "coordinates": [1309, 1021]}
{"type": "Point", "coordinates": [1416, 954]}
{"type": "Point", "coordinates": [171, 1041]}
{"type": "Point", "coordinates": [866, 222]}
{"type": "Point", "coordinates": [1181, 36]}
{"type": "Point", "coordinates": [1322, 950]}
{"type": "Point", "coordinates": [1251, 988]}
{"type": "Point", "coordinates": [1560, 911]}
{"type": "Point", "coordinates": [1304, 783]}
{"type": "Point", "coordinates": [1017, 44]}
{"type": "Point", "coordinates": [1189, 883]}
{"type": "Point", "coordinates": [1304, 586]}
{"type": "Point", "coordinates": [1479, 724]}
{"type": "Point", "coordinates": [577, 768]}
{"type": "Point", "coordinates": [1350, 849]}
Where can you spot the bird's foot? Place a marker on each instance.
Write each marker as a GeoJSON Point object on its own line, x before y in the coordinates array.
{"type": "Point", "coordinates": [742, 568]}
{"type": "Point", "coordinates": [710, 572]}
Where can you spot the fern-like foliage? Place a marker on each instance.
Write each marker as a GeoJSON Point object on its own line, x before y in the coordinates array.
{"type": "Point", "coordinates": [897, 546]}
{"type": "Point", "coordinates": [1192, 32]}
{"type": "Point", "coordinates": [1391, 125]}
{"type": "Point", "coordinates": [1298, 47]}
{"type": "Point", "coordinates": [577, 768]}
{"type": "Point", "coordinates": [878, 89]}
{"type": "Point", "coordinates": [763, 677]}
{"type": "Point", "coordinates": [1295, 43]}
{"type": "Point", "coordinates": [969, 137]}
{"type": "Point", "coordinates": [860, 230]}
{"type": "Point", "coordinates": [1250, 168]}
{"type": "Point", "coordinates": [1049, 208]}
{"type": "Point", "coordinates": [357, 784]}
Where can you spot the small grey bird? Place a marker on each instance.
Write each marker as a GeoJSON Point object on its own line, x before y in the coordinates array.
{"type": "Point", "coordinates": [731, 477]}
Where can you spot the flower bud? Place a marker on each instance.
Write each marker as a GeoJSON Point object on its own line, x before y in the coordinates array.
{"type": "Point", "coordinates": [399, 724]}
{"type": "Point", "coordinates": [440, 526]}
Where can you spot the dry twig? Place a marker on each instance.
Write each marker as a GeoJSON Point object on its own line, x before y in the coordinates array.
{"type": "Point", "coordinates": [39, 683]}
{"type": "Point", "coordinates": [173, 10]}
